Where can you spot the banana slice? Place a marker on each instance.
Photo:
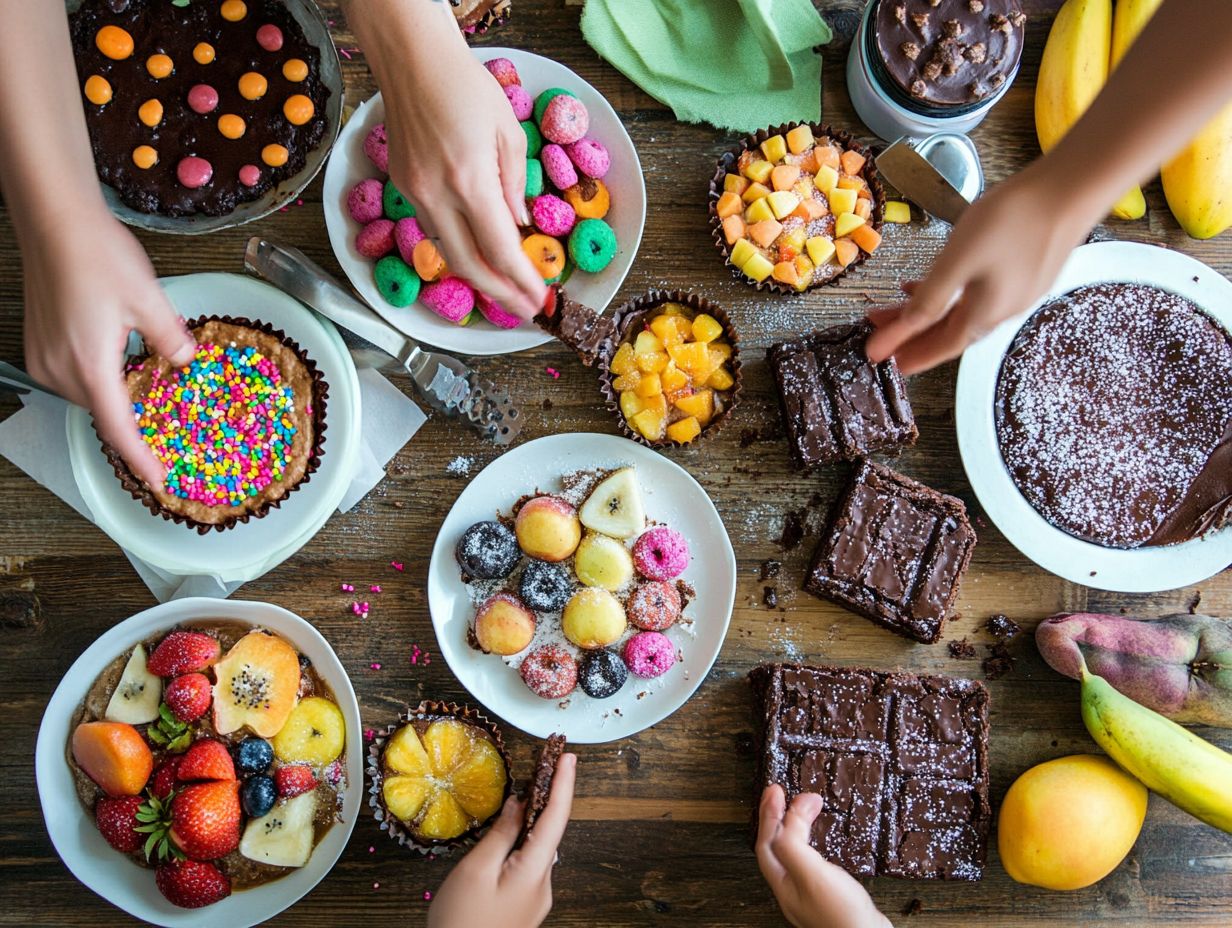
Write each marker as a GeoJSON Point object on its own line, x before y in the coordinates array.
{"type": "Point", "coordinates": [614, 507]}
{"type": "Point", "coordinates": [283, 836]}
{"type": "Point", "coordinates": [138, 693]}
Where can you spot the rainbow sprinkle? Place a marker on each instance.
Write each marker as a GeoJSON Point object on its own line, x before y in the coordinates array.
{"type": "Point", "coordinates": [221, 426]}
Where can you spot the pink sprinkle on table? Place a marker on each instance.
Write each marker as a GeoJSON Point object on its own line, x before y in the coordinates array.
{"type": "Point", "coordinates": [348, 588]}
{"type": "Point", "coordinates": [397, 565]}
{"type": "Point", "coordinates": [369, 734]}
{"type": "Point", "coordinates": [375, 665]}
{"type": "Point", "coordinates": [555, 374]}
{"type": "Point", "coordinates": [375, 588]}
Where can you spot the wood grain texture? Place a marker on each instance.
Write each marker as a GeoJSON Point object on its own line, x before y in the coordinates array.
{"type": "Point", "coordinates": [660, 828]}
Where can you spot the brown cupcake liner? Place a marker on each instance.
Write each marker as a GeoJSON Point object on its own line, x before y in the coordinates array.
{"type": "Point", "coordinates": [496, 15]}
{"type": "Point", "coordinates": [627, 318]}
{"type": "Point", "coordinates": [320, 391]}
{"type": "Point", "coordinates": [727, 163]}
{"type": "Point", "coordinates": [391, 824]}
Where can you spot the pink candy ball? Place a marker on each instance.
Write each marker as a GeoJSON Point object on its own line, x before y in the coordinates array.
{"type": "Point", "coordinates": [552, 215]}
{"type": "Point", "coordinates": [202, 98]}
{"type": "Point", "coordinates": [661, 554]}
{"type": "Point", "coordinates": [495, 313]}
{"type": "Point", "coordinates": [376, 147]}
{"type": "Point", "coordinates": [364, 201]}
{"type": "Point", "coordinates": [194, 172]}
{"type": "Point", "coordinates": [450, 298]}
{"type": "Point", "coordinates": [376, 239]}
{"type": "Point", "coordinates": [649, 654]}
{"type": "Point", "coordinates": [503, 70]}
{"type": "Point", "coordinates": [519, 99]}
{"type": "Point", "coordinates": [590, 157]}
{"type": "Point", "coordinates": [558, 167]}
{"type": "Point", "coordinates": [250, 175]}
{"type": "Point", "coordinates": [269, 37]}
{"type": "Point", "coordinates": [407, 235]}
{"type": "Point", "coordinates": [565, 120]}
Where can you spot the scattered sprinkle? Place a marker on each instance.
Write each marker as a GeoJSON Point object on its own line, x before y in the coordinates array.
{"type": "Point", "coordinates": [397, 565]}
{"type": "Point", "coordinates": [371, 849]}
{"type": "Point", "coordinates": [553, 373]}
{"type": "Point", "coordinates": [347, 588]}
{"type": "Point", "coordinates": [376, 885]}
{"type": "Point", "coordinates": [375, 665]}
{"type": "Point", "coordinates": [360, 609]}
{"type": "Point", "coordinates": [427, 895]}
{"type": "Point", "coordinates": [369, 734]}
{"type": "Point", "coordinates": [375, 588]}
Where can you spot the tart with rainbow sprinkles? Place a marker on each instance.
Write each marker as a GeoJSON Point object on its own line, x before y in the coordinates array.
{"type": "Point", "coordinates": [236, 430]}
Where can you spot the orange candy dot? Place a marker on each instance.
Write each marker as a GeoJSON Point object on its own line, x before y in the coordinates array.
{"type": "Point", "coordinates": [151, 113]}
{"type": "Point", "coordinates": [298, 109]}
{"type": "Point", "coordinates": [275, 155]}
{"type": "Point", "coordinates": [231, 126]}
{"type": "Point", "coordinates": [98, 90]}
{"type": "Point", "coordinates": [253, 85]}
{"type": "Point", "coordinates": [159, 66]}
{"type": "Point", "coordinates": [296, 69]}
{"type": "Point", "coordinates": [114, 42]}
{"type": "Point", "coordinates": [203, 53]}
{"type": "Point", "coordinates": [233, 10]}
{"type": "Point", "coordinates": [145, 157]}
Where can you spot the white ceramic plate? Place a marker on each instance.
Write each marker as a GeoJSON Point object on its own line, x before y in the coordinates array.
{"type": "Point", "coordinates": [1137, 570]}
{"type": "Point", "coordinates": [349, 165]}
{"type": "Point", "coordinates": [249, 549]}
{"type": "Point", "coordinates": [109, 873]}
{"type": "Point", "coordinates": [673, 498]}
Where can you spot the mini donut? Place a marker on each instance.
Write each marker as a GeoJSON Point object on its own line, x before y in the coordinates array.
{"type": "Point", "coordinates": [396, 206]}
{"type": "Point", "coordinates": [376, 147]}
{"type": "Point", "coordinates": [376, 239]}
{"type": "Point", "coordinates": [649, 654]}
{"type": "Point", "coordinates": [654, 606]}
{"type": "Point", "coordinates": [450, 298]}
{"type": "Point", "coordinates": [549, 672]}
{"type": "Point", "coordinates": [552, 215]}
{"type": "Point", "coordinates": [495, 313]}
{"type": "Point", "coordinates": [488, 551]}
{"type": "Point", "coordinates": [589, 157]}
{"type": "Point", "coordinates": [661, 553]}
{"type": "Point", "coordinates": [534, 177]}
{"type": "Point", "coordinates": [545, 586]}
{"type": "Point", "coordinates": [520, 100]}
{"type": "Point", "coordinates": [428, 260]}
{"type": "Point", "coordinates": [407, 235]}
{"type": "Point", "coordinates": [558, 167]}
{"type": "Point", "coordinates": [364, 201]}
{"type": "Point", "coordinates": [592, 245]}
{"type": "Point", "coordinates": [534, 141]}
{"type": "Point", "coordinates": [589, 198]}
{"type": "Point", "coordinates": [602, 673]}
{"type": "Point", "coordinates": [542, 101]}
{"type": "Point", "coordinates": [565, 120]}
{"type": "Point", "coordinates": [397, 281]}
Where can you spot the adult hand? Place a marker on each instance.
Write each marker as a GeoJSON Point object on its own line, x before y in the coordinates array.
{"type": "Point", "coordinates": [87, 286]}
{"type": "Point", "coordinates": [496, 885]}
{"type": "Point", "coordinates": [812, 892]}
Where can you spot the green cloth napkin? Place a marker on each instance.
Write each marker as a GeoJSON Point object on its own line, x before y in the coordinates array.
{"type": "Point", "coordinates": [736, 64]}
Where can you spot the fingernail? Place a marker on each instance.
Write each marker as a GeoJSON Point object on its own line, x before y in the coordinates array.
{"type": "Point", "coordinates": [524, 216]}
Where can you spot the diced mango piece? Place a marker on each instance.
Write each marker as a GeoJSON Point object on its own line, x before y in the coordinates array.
{"type": "Point", "coordinates": [782, 202]}
{"type": "Point", "coordinates": [828, 156]}
{"type": "Point", "coordinates": [672, 309]}
{"type": "Point", "coordinates": [741, 252]}
{"type": "Point", "coordinates": [692, 357]}
{"type": "Point", "coordinates": [651, 362]}
{"type": "Point", "coordinates": [627, 381]}
{"type": "Point", "coordinates": [897, 211]}
{"type": "Point", "coordinates": [700, 405]}
{"type": "Point", "coordinates": [794, 238]}
{"type": "Point", "coordinates": [673, 378]}
{"type": "Point", "coordinates": [735, 183]}
{"type": "Point", "coordinates": [852, 161]}
{"type": "Point", "coordinates": [804, 267]}
{"type": "Point", "coordinates": [685, 430]}
{"type": "Point", "coordinates": [784, 176]}
{"type": "Point", "coordinates": [646, 342]}
{"type": "Point", "coordinates": [820, 249]}
{"type": "Point", "coordinates": [765, 232]}
{"type": "Point", "coordinates": [706, 328]}
{"type": "Point", "coordinates": [650, 385]}
{"type": "Point", "coordinates": [864, 209]}
{"type": "Point", "coordinates": [648, 424]}
{"type": "Point", "coordinates": [785, 272]}
{"type": "Point", "coordinates": [657, 405]}
{"type": "Point", "coordinates": [729, 204]}
{"type": "Point", "coordinates": [671, 330]}
{"type": "Point", "coordinates": [622, 360]}
{"type": "Point", "coordinates": [758, 268]}
{"type": "Point", "coordinates": [733, 229]}
{"type": "Point", "coordinates": [866, 237]}
{"type": "Point", "coordinates": [864, 193]}
{"type": "Point", "coordinates": [774, 148]}
{"type": "Point", "coordinates": [722, 350]}
{"type": "Point", "coordinates": [845, 250]}
{"type": "Point", "coordinates": [803, 188]}
{"type": "Point", "coordinates": [847, 182]}
{"type": "Point", "coordinates": [826, 179]}
{"type": "Point", "coordinates": [758, 211]}
{"type": "Point", "coordinates": [721, 379]}
{"type": "Point", "coordinates": [759, 171]}
{"type": "Point", "coordinates": [800, 139]}
{"type": "Point", "coordinates": [754, 192]}
{"type": "Point", "coordinates": [815, 209]}
{"type": "Point", "coordinates": [631, 404]}
{"type": "Point", "coordinates": [808, 162]}
{"type": "Point", "coordinates": [842, 201]}
{"type": "Point", "coordinates": [845, 223]}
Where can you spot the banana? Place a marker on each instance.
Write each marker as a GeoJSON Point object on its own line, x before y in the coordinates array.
{"type": "Point", "coordinates": [1127, 22]}
{"type": "Point", "coordinates": [1190, 773]}
{"type": "Point", "coordinates": [1198, 181]}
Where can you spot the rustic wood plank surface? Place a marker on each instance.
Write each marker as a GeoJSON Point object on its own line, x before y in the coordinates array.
{"type": "Point", "coordinates": [659, 835]}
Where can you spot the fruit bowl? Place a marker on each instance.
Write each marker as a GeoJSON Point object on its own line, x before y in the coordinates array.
{"type": "Point", "coordinates": [72, 829]}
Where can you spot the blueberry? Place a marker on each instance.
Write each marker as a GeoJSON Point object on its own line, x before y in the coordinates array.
{"type": "Point", "coordinates": [254, 755]}
{"type": "Point", "coordinates": [602, 673]}
{"type": "Point", "coordinates": [545, 587]}
{"type": "Point", "coordinates": [258, 795]}
{"type": "Point", "coordinates": [488, 551]}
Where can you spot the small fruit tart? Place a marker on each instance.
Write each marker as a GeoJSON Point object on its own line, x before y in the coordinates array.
{"type": "Point", "coordinates": [439, 775]}
{"type": "Point", "coordinates": [794, 206]}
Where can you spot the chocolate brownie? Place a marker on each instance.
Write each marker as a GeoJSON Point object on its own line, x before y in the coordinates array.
{"type": "Point", "coordinates": [894, 552]}
{"type": "Point", "coordinates": [540, 788]}
{"type": "Point", "coordinates": [1114, 416]}
{"type": "Point", "coordinates": [836, 403]}
{"type": "Point", "coordinates": [946, 53]}
{"type": "Point", "coordinates": [900, 761]}
{"type": "Point", "coordinates": [592, 335]}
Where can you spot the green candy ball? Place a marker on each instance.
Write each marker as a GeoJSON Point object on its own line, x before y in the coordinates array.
{"type": "Point", "coordinates": [592, 245]}
{"type": "Point", "coordinates": [542, 101]}
{"type": "Point", "coordinates": [534, 177]}
{"type": "Point", "coordinates": [396, 206]}
{"type": "Point", "coordinates": [397, 281]}
{"type": "Point", "coordinates": [534, 141]}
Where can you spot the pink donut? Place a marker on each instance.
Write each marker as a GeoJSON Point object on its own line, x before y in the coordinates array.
{"type": "Point", "coordinates": [558, 167]}
{"type": "Point", "coordinates": [520, 100]}
{"type": "Point", "coordinates": [376, 239]}
{"type": "Point", "coordinates": [654, 606]}
{"type": "Point", "coordinates": [565, 120]}
{"type": "Point", "coordinates": [407, 235]}
{"type": "Point", "coordinates": [661, 554]}
{"type": "Point", "coordinates": [649, 654]}
{"type": "Point", "coordinates": [364, 201]}
{"type": "Point", "coordinates": [552, 215]}
{"type": "Point", "coordinates": [503, 70]}
{"type": "Point", "coordinates": [450, 298]}
{"type": "Point", "coordinates": [376, 147]}
{"type": "Point", "coordinates": [590, 157]}
{"type": "Point", "coordinates": [495, 313]}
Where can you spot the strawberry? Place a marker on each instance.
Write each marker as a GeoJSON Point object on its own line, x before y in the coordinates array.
{"type": "Point", "coordinates": [291, 781]}
{"type": "Point", "coordinates": [188, 697]}
{"type": "Point", "coordinates": [207, 759]}
{"type": "Point", "coordinates": [191, 884]}
{"type": "Point", "coordinates": [183, 652]}
{"type": "Point", "coordinates": [117, 820]}
{"type": "Point", "coordinates": [164, 779]}
{"type": "Point", "coordinates": [205, 819]}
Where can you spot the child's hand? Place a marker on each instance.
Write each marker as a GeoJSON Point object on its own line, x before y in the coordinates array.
{"type": "Point", "coordinates": [812, 892]}
{"type": "Point", "coordinates": [491, 885]}
{"type": "Point", "coordinates": [87, 285]}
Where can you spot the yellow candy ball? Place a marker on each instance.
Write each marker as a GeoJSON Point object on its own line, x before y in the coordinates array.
{"type": "Point", "coordinates": [159, 66]}
{"type": "Point", "coordinates": [253, 85]}
{"type": "Point", "coordinates": [98, 90]}
{"type": "Point", "coordinates": [233, 10]}
{"type": "Point", "coordinates": [151, 113]}
{"type": "Point", "coordinates": [145, 157]}
{"type": "Point", "coordinates": [203, 53]}
{"type": "Point", "coordinates": [298, 109]}
{"type": "Point", "coordinates": [231, 126]}
{"type": "Point", "coordinates": [114, 42]}
{"type": "Point", "coordinates": [275, 155]}
{"type": "Point", "coordinates": [295, 69]}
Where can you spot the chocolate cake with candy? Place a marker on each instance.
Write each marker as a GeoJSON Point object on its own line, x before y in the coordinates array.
{"type": "Point", "coordinates": [197, 108]}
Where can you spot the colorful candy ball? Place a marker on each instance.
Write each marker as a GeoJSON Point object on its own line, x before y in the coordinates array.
{"type": "Point", "coordinates": [450, 298]}
{"type": "Point", "coordinates": [552, 215]}
{"type": "Point", "coordinates": [534, 141]}
{"type": "Point", "coordinates": [269, 37]}
{"type": "Point", "coordinates": [250, 175]}
{"type": "Point", "coordinates": [558, 167]}
{"type": "Point", "coordinates": [194, 172]}
{"type": "Point", "coordinates": [202, 98]}
{"type": "Point", "coordinates": [520, 100]}
{"type": "Point", "coordinates": [364, 201]}
{"type": "Point", "coordinates": [542, 101]}
{"type": "Point", "coordinates": [534, 177]}
{"type": "Point", "coordinates": [407, 235]}
{"type": "Point", "coordinates": [503, 70]}
{"type": "Point", "coordinates": [397, 281]}
{"type": "Point", "coordinates": [590, 157]}
{"type": "Point", "coordinates": [376, 147]}
{"type": "Point", "coordinates": [565, 120]}
{"type": "Point", "coordinates": [376, 239]}
{"type": "Point", "coordinates": [495, 313]}
{"type": "Point", "coordinates": [396, 205]}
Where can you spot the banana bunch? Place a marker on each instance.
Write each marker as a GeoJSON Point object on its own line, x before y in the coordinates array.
{"type": "Point", "coordinates": [1190, 773]}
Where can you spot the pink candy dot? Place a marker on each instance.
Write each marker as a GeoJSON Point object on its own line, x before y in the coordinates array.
{"type": "Point", "coordinates": [194, 172]}
{"type": "Point", "coordinates": [202, 98]}
{"type": "Point", "coordinates": [250, 175]}
{"type": "Point", "coordinates": [269, 37]}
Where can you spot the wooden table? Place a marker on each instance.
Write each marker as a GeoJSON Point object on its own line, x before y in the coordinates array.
{"type": "Point", "coordinates": [660, 830]}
